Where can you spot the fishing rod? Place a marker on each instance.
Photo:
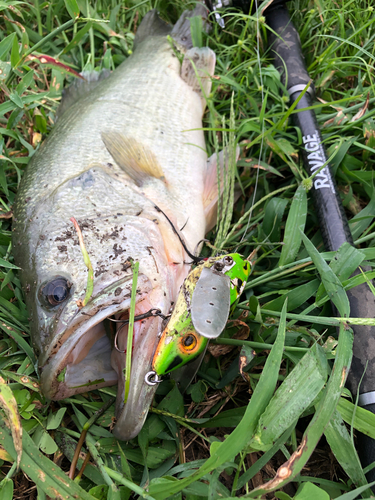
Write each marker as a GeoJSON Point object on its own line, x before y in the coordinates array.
{"type": "Point", "coordinates": [285, 47]}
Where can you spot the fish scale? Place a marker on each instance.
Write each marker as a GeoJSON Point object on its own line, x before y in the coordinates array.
{"type": "Point", "coordinates": [132, 141]}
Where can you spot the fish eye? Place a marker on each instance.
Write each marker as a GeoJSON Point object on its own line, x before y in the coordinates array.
{"type": "Point", "coordinates": [189, 342]}
{"type": "Point", "coordinates": [55, 291]}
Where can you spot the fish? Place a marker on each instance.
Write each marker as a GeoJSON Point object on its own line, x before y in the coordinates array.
{"type": "Point", "coordinates": [127, 160]}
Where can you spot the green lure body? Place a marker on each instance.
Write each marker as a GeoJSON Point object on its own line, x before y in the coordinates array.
{"type": "Point", "coordinates": [180, 343]}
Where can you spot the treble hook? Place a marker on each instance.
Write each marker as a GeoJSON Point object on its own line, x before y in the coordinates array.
{"type": "Point", "coordinates": [148, 314]}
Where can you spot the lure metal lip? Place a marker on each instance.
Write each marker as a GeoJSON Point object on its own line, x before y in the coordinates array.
{"type": "Point", "coordinates": [152, 378]}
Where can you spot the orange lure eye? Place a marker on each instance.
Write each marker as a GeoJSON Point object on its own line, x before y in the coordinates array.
{"type": "Point", "coordinates": [189, 342]}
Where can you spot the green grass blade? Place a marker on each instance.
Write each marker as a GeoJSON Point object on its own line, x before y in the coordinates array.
{"type": "Point", "coordinates": [343, 448]}
{"type": "Point", "coordinates": [345, 262]}
{"type": "Point", "coordinates": [352, 495]}
{"type": "Point", "coordinates": [360, 418]}
{"type": "Point", "coordinates": [295, 225]}
{"type": "Point", "coordinates": [331, 283]}
{"type": "Point", "coordinates": [129, 345]}
{"type": "Point", "coordinates": [72, 8]}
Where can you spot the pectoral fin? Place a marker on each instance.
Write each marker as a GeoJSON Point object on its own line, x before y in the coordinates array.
{"type": "Point", "coordinates": [134, 158]}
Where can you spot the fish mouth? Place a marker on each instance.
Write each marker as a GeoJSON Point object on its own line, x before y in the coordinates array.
{"type": "Point", "coordinates": [86, 358]}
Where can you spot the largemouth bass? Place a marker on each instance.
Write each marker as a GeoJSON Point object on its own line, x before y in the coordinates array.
{"type": "Point", "coordinates": [124, 157]}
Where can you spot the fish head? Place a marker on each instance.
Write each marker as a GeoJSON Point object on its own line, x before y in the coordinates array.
{"type": "Point", "coordinates": [75, 345]}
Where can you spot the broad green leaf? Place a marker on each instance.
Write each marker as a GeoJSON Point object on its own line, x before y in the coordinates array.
{"type": "Point", "coordinates": [173, 402]}
{"type": "Point", "coordinates": [343, 448]}
{"type": "Point", "coordinates": [281, 495]}
{"type": "Point", "coordinates": [9, 405]}
{"type": "Point", "coordinates": [99, 492]}
{"type": "Point", "coordinates": [285, 146]}
{"type": "Point", "coordinates": [44, 441]}
{"type": "Point", "coordinates": [30, 382]}
{"type": "Point", "coordinates": [14, 97]}
{"type": "Point", "coordinates": [309, 491]}
{"type": "Point", "coordinates": [353, 495]}
{"type": "Point", "coordinates": [295, 224]}
{"type": "Point", "coordinates": [331, 283]}
{"type": "Point", "coordinates": [5, 68]}
{"type": "Point", "coordinates": [47, 444]}
{"type": "Point", "coordinates": [327, 404]}
{"type": "Point", "coordinates": [25, 82]}
{"type": "Point", "coordinates": [292, 398]}
{"type": "Point", "coordinates": [54, 419]}
{"type": "Point", "coordinates": [197, 391]}
{"type": "Point", "coordinates": [6, 489]}
{"type": "Point", "coordinates": [113, 493]}
{"type": "Point", "coordinates": [57, 82]}
{"type": "Point", "coordinates": [41, 470]}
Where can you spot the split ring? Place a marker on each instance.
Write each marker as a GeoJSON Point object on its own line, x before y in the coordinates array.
{"type": "Point", "coordinates": [152, 378]}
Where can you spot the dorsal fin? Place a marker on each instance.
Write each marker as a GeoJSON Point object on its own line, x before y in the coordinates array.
{"type": "Point", "coordinates": [134, 158]}
{"type": "Point", "coordinates": [79, 88]}
{"type": "Point", "coordinates": [151, 25]}
{"type": "Point", "coordinates": [181, 30]}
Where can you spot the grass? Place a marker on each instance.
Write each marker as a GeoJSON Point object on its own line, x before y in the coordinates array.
{"type": "Point", "coordinates": [182, 447]}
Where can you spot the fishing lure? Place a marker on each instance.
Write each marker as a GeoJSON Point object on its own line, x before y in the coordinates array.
{"type": "Point", "coordinates": [206, 298]}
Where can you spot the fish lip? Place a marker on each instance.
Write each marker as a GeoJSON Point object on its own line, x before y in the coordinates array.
{"type": "Point", "coordinates": [130, 422]}
{"type": "Point", "coordinates": [81, 323]}
{"type": "Point", "coordinates": [131, 415]}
